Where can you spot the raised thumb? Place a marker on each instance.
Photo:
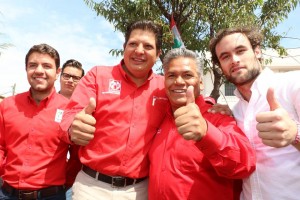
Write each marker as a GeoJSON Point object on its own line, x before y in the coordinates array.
{"type": "Point", "coordinates": [90, 108]}
{"type": "Point", "coordinates": [272, 101]}
{"type": "Point", "coordinates": [190, 97]}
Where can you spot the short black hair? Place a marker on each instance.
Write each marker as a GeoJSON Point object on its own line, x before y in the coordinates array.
{"type": "Point", "coordinates": [73, 63]}
{"type": "Point", "coordinates": [44, 49]}
{"type": "Point", "coordinates": [149, 26]}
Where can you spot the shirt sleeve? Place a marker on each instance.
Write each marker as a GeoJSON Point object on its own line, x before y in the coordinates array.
{"type": "Point", "coordinates": [227, 148]}
{"type": "Point", "coordinates": [2, 147]}
{"type": "Point", "coordinates": [73, 165]}
{"type": "Point", "coordinates": [294, 89]}
{"type": "Point", "coordinates": [85, 90]}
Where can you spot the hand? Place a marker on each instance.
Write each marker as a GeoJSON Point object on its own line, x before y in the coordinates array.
{"type": "Point", "coordinates": [220, 108]}
{"type": "Point", "coordinates": [83, 126]}
{"type": "Point", "coordinates": [188, 119]}
{"type": "Point", "coordinates": [276, 128]}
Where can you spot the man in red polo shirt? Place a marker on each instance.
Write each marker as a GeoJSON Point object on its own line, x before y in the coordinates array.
{"type": "Point", "coordinates": [125, 107]}
{"type": "Point", "coordinates": [35, 166]}
{"type": "Point", "coordinates": [195, 154]}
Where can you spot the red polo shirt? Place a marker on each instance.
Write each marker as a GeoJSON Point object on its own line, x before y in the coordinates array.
{"type": "Point", "coordinates": [127, 119]}
{"type": "Point", "coordinates": [30, 141]}
{"type": "Point", "coordinates": [185, 169]}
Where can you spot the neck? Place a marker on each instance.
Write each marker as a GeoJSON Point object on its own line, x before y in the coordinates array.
{"type": "Point", "coordinates": [137, 80]}
{"type": "Point", "coordinates": [39, 96]}
{"type": "Point", "coordinates": [67, 95]}
{"type": "Point", "coordinates": [245, 90]}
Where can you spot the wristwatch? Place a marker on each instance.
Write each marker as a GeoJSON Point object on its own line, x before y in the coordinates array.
{"type": "Point", "coordinates": [297, 137]}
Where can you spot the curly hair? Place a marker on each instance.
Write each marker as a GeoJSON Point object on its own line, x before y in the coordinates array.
{"type": "Point", "coordinates": [253, 34]}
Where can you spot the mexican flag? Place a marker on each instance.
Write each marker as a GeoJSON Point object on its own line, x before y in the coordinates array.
{"type": "Point", "coordinates": [178, 43]}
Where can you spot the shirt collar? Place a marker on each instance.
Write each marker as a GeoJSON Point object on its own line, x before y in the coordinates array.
{"type": "Point", "coordinates": [45, 101]}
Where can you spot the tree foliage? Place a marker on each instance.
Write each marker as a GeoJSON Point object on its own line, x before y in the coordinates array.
{"type": "Point", "coordinates": [198, 21]}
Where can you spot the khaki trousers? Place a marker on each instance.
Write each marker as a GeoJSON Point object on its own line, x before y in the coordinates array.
{"type": "Point", "coordinates": [88, 188]}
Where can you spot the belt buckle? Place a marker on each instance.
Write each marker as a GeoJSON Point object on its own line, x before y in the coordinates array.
{"type": "Point", "coordinates": [26, 194]}
{"type": "Point", "coordinates": [116, 181]}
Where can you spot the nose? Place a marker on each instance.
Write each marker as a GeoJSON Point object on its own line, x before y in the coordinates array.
{"type": "Point", "coordinates": [139, 49]}
{"type": "Point", "coordinates": [235, 58]}
{"type": "Point", "coordinates": [39, 69]}
{"type": "Point", "coordinates": [179, 80]}
{"type": "Point", "coordinates": [70, 79]}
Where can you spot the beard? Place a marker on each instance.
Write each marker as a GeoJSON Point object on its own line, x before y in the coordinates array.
{"type": "Point", "coordinates": [250, 76]}
{"type": "Point", "coordinates": [246, 78]}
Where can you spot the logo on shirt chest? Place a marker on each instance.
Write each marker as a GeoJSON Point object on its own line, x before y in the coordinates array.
{"type": "Point", "coordinates": [58, 115]}
{"type": "Point", "coordinates": [114, 87]}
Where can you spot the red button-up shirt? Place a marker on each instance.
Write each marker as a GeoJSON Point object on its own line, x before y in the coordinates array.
{"type": "Point", "coordinates": [185, 169]}
{"type": "Point", "coordinates": [31, 143]}
{"type": "Point", "coordinates": [127, 119]}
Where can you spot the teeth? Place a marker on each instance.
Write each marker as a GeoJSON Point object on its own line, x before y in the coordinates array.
{"type": "Point", "coordinates": [178, 91]}
{"type": "Point", "coordinates": [39, 78]}
{"type": "Point", "coordinates": [136, 59]}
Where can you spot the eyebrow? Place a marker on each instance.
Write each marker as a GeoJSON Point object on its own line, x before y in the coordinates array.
{"type": "Point", "coordinates": [236, 48]}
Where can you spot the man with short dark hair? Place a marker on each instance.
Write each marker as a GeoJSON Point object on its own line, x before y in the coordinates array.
{"type": "Point", "coordinates": [30, 140]}
{"type": "Point", "coordinates": [71, 73]}
{"type": "Point", "coordinates": [114, 114]}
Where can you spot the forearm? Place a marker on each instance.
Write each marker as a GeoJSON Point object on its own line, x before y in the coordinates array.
{"type": "Point", "coordinates": [229, 152]}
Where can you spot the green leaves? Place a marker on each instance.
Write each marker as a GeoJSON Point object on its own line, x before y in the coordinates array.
{"type": "Point", "coordinates": [198, 21]}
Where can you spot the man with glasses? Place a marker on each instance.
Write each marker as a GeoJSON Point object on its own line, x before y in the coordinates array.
{"type": "Point", "coordinates": [71, 73]}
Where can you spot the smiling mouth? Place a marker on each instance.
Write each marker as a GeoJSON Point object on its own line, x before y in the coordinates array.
{"type": "Point", "coordinates": [179, 91]}
{"type": "Point", "coordinates": [39, 78]}
{"type": "Point", "coordinates": [138, 59]}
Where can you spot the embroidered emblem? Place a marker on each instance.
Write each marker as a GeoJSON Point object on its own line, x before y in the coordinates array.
{"type": "Point", "coordinates": [154, 98]}
{"type": "Point", "coordinates": [114, 87]}
{"type": "Point", "coordinates": [58, 115]}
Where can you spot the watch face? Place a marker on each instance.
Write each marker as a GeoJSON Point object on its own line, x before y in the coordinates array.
{"type": "Point", "coordinates": [297, 138]}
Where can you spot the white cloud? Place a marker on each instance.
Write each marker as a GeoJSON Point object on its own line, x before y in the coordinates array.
{"type": "Point", "coordinates": [73, 30]}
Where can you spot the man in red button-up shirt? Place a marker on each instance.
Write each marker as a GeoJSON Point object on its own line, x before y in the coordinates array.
{"type": "Point", "coordinates": [30, 140]}
{"type": "Point", "coordinates": [195, 154]}
{"type": "Point", "coordinates": [116, 129]}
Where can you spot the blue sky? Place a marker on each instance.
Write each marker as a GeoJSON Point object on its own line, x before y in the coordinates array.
{"type": "Point", "coordinates": [72, 28]}
{"type": "Point", "coordinates": [75, 31]}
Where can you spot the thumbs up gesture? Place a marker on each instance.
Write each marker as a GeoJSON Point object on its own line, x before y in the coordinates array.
{"type": "Point", "coordinates": [276, 128]}
{"type": "Point", "coordinates": [83, 126]}
{"type": "Point", "coordinates": [188, 119]}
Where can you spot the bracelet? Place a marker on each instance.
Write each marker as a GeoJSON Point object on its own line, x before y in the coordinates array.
{"type": "Point", "coordinates": [297, 137]}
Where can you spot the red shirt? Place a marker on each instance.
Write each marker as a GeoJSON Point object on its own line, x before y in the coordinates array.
{"type": "Point", "coordinates": [30, 141]}
{"type": "Point", "coordinates": [185, 169]}
{"type": "Point", "coordinates": [127, 119]}
{"type": "Point", "coordinates": [74, 165]}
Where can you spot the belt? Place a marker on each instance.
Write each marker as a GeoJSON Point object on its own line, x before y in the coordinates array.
{"type": "Point", "coordinates": [114, 181]}
{"type": "Point", "coordinates": [32, 194]}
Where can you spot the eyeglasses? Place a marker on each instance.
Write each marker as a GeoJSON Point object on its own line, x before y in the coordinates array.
{"type": "Point", "coordinates": [68, 76]}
